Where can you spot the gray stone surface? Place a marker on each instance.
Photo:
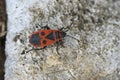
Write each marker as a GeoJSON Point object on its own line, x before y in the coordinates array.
{"type": "Point", "coordinates": [96, 23]}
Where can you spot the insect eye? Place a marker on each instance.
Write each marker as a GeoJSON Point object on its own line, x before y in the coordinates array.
{"type": "Point", "coordinates": [42, 33]}
{"type": "Point", "coordinates": [44, 41]}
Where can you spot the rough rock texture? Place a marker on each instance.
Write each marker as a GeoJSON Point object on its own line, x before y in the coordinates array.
{"type": "Point", "coordinates": [3, 18]}
{"type": "Point", "coordinates": [96, 23]}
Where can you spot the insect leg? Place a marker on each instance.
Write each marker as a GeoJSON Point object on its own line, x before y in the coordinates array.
{"type": "Point", "coordinates": [35, 49]}
{"type": "Point", "coordinates": [57, 48]}
{"type": "Point", "coordinates": [42, 27]}
{"type": "Point", "coordinates": [58, 44]}
{"type": "Point", "coordinates": [46, 27]}
{"type": "Point", "coordinates": [65, 29]}
{"type": "Point", "coordinates": [38, 26]}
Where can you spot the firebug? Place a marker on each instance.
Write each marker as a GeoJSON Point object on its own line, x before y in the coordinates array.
{"type": "Point", "coordinates": [43, 38]}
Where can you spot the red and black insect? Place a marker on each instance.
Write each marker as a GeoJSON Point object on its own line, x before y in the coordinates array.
{"type": "Point", "coordinates": [43, 38]}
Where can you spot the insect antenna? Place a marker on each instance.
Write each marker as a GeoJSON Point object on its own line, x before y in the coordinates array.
{"type": "Point", "coordinates": [73, 37]}
{"type": "Point", "coordinates": [66, 30]}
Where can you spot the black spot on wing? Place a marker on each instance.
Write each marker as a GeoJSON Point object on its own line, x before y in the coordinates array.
{"type": "Point", "coordinates": [42, 33]}
{"type": "Point", "coordinates": [50, 36]}
{"type": "Point", "coordinates": [44, 41]}
{"type": "Point", "coordinates": [35, 39]}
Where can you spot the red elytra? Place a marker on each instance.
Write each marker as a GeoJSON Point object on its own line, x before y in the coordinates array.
{"type": "Point", "coordinates": [43, 38]}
